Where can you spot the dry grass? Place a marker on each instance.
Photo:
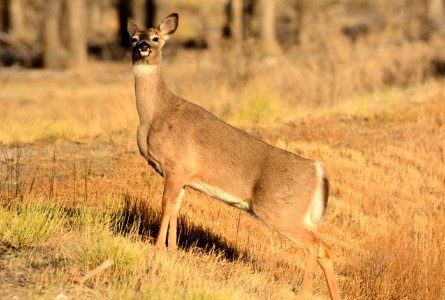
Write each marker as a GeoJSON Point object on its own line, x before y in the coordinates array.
{"type": "Point", "coordinates": [65, 106]}
{"type": "Point", "coordinates": [69, 147]}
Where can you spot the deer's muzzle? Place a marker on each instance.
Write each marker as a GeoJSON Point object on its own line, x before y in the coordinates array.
{"type": "Point", "coordinates": [144, 46]}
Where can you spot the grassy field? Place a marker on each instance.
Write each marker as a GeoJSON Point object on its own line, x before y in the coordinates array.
{"type": "Point", "coordinates": [80, 207]}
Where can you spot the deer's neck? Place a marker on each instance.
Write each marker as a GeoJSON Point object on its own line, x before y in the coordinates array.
{"type": "Point", "coordinates": [150, 91]}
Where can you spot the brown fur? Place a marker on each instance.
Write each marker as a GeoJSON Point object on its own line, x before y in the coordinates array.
{"type": "Point", "coordinates": [191, 147]}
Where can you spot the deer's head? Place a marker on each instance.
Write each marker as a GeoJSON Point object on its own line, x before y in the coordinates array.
{"type": "Point", "coordinates": [146, 44]}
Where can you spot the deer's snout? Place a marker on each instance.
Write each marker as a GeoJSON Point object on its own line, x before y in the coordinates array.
{"type": "Point", "coordinates": [144, 45]}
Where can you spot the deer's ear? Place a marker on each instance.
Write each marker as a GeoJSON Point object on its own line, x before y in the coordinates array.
{"type": "Point", "coordinates": [168, 26]}
{"type": "Point", "coordinates": [131, 27]}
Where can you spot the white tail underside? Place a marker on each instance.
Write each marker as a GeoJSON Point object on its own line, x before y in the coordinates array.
{"type": "Point", "coordinates": [314, 215]}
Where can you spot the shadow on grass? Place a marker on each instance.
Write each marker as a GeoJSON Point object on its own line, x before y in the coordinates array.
{"type": "Point", "coordinates": [136, 217]}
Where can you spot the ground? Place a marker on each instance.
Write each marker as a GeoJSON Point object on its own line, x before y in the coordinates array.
{"type": "Point", "coordinates": [75, 191]}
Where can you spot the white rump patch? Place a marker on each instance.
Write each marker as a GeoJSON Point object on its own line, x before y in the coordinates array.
{"type": "Point", "coordinates": [315, 213]}
{"type": "Point", "coordinates": [144, 69]}
{"type": "Point", "coordinates": [220, 195]}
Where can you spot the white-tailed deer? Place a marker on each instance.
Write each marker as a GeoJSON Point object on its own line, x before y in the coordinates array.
{"type": "Point", "coordinates": [190, 147]}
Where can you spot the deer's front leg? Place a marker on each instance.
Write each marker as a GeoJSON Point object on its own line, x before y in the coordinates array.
{"type": "Point", "coordinates": [172, 230]}
{"type": "Point", "coordinates": [171, 203]}
{"type": "Point", "coordinates": [142, 134]}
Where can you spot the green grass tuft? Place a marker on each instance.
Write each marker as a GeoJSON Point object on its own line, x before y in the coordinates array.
{"type": "Point", "coordinates": [29, 224]}
{"type": "Point", "coordinates": [99, 241]}
{"type": "Point", "coordinates": [96, 246]}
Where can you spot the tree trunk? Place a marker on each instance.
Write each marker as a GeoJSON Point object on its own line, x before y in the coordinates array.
{"type": "Point", "coordinates": [236, 31]}
{"type": "Point", "coordinates": [16, 17]}
{"type": "Point", "coordinates": [142, 11]}
{"type": "Point", "coordinates": [95, 18]}
{"type": "Point", "coordinates": [436, 12]}
{"type": "Point", "coordinates": [77, 41]}
{"type": "Point", "coordinates": [53, 54]}
{"type": "Point", "coordinates": [300, 12]}
{"type": "Point", "coordinates": [138, 12]}
{"type": "Point", "coordinates": [125, 12]}
{"type": "Point", "coordinates": [4, 16]}
{"type": "Point", "coordinates": [268, 35]}
{"type": "Point", "coordinates": [151, 13]}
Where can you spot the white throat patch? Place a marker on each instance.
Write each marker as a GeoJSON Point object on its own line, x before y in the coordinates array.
{"type": "Point", "coordinates": [142, 69]}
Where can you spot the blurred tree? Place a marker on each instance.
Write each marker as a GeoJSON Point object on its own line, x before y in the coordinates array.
{"type": "Point", "coordinates": [300, 9]}
{"type": "Point", "coordinates": [11, 16]}
{"type": "Point", "coordinates": [16, 21]}
{"type": "Point", "coordinates": [268, 34]}
{"type": "Point", "coordinates": [151, 13]}
{"type": "Point", "coordinates": [95, 10]}
{"type": "Point", "coordinates": [98, 36]}
{"type": "Point", "coordinates": [137, 11]}
{"type": "Point", "coordinates": [237, 19]}
{"type": "Point", "coordinates": [77, 40]}
{"type": "Point", "coordinates": [65, 43]}
{"type": "Point", "coordinates": [252, 18]}
{"type": "Point", "coordinates": [4, 16]}
{"type": "Point", "coordinates": [142, 11]}
{"type": "Point", "coordinates": [436, 13]}
{"type": "Point", "coordinates": [53, 53]}
{"type": "Point", "coordinates": [14, 42]}
{"type": "Point", "coordinates": [423, 18]}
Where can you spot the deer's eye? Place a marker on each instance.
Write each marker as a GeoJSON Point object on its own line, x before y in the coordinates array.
{"type": "Point", "coordinates": [155, 39]}
{"type": "Point", "coordinates": [134, 40]}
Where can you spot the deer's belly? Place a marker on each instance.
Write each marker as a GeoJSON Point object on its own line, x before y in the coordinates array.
{"type": "Point", "coordinates": [221, 195]}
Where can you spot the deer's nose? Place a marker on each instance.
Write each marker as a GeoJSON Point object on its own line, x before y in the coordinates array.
{"type": "Point", "coordinates": [144, 45]}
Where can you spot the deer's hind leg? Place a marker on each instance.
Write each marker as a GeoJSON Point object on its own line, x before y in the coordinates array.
{"type": "Point", "coordinates": [317, 252]}
{"type": "Point", "coordinates": [285, 225]}
{"type": "Point", "coordinates": [324, 260]}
